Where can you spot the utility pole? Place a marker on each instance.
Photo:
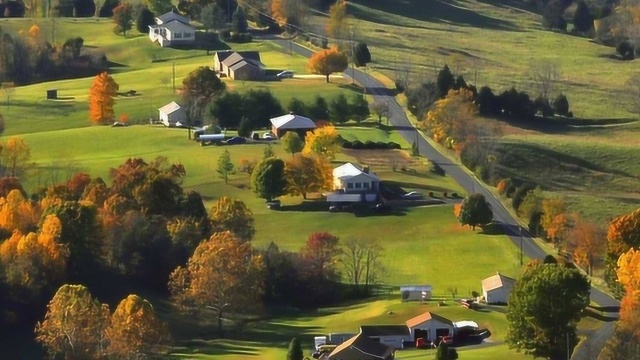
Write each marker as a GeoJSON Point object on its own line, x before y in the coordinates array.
{"type": "Point", "coordinates": [521, 240]}
{"type": "Point", "coordinates": [173, 71]}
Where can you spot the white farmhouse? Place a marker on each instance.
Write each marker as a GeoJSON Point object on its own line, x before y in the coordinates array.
{"type": "Point", "coordinates": [352, 178]}
{"type": "Point", "coordinates": [172, 29]}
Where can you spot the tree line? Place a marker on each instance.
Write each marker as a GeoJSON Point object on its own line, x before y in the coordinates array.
{"type": "Point", "coordinates": [27, 57]}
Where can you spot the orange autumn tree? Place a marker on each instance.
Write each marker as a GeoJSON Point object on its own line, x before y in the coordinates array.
{"type": "Point", "coordinates": [279, 11]}
{"type": "Point", "coordinates": [623, 234]}
{"type": "Point", "coordinates": [587, 243]}
{"type": "Point", "coordinates": [18, 213]}
{"type": "Point", "coordinates": [629, 277]}
{"type": "Point", "coordinates": [328, 61]}
{"type": "Point", "coordinates": [102, 98]}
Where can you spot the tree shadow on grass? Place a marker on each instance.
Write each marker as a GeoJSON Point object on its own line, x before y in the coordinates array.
{"type": "Point", "coordinates": [433, 11]}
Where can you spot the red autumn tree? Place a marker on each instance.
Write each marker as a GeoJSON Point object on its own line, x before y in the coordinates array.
{"type": "Point", "coordinates": [320, 254]}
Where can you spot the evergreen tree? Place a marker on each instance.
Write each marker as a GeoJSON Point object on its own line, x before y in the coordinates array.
{"type": "Point", "coordinates": [582, 19]}
{"type": "Point", "coordinates": [340, 109]}
{"type": "Point", "coordinates": [319, 110]}
{"type": "Point", "coordinates": [245, 127]}
{"type": "Point", "coordinates": [295, 350]}
{"type": "Point", "coordinates": [445, 81]}
{"type": "Point", "coordinates": [239, 21]}
{"type": "Point", "coordinates": [359, 108]}
{"type": "Point", "coordinates": [225, 166]}
{"type": "Point", "coordinates": [144, 19]}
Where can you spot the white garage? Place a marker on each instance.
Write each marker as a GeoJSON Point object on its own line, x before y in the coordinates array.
{"type": "Point", "coordinates": [391, 335]}
{"type": "Point", "coordinates": [496, 288]}
{"type": "Point", "coordinates": [429, 326]}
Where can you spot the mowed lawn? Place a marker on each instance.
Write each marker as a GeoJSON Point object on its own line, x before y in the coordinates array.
{"type": "Point", "coordinates": [146, 68]}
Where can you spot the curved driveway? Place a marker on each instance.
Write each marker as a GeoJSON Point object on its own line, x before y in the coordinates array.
{"type": "Point", "coordinates": [471, 184]}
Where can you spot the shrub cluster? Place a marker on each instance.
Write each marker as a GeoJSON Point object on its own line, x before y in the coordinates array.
{"type": "Point", "coordinates": [235, 37]}
{"type": "Point", "coordinates": [370, 145]}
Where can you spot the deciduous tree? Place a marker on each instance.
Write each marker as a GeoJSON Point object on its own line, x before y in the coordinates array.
{"type": "Point", "coordinates": [135, 330]}
{"type": "Point", "coordinates": [587, 242]}
{"type": "Point", "coordinates": [321, 254]}
{"type": "Point", "coordinates": [582, 18]}
{"type": "Point", "coordinates": [337, 23]}
{"type": "Point", "coordinates": [292, 143]}
{"type": "Point", "coordinates": [308, 175]}
{"type": "Point", "coordinates": [199, 88]}
{"type": "Point", "coordinates": [544, 308]}
{"type": "Point", "coordinates": [623, 234]}
{"type": "Point", "coordinates": [268, 180]}
{"type": "Point", "coordinates": [223, 274]}
{"type": "Point", "coordinates": [16, 155]}
{"type": "Point", "coordinates": [229, 214]}
{"type": "Point", "coordinates": [159, 6]}
{"type": "Point", "coordinates": [102, 98]}
{"type": "Point", "coordinates": [361, 261]}
{"type": "Point", "coordinates": [322, 141]}
{"type": "Point", "coordinates": [450, 120]}
{"type": "Point", "coordinates": [212, 17]}
{"type": "Point", "coordinates": [74, 324]}
{"type": "Point", "coordinates": [247, 166]}
{"type": "Point", "coordinates": [381, 110]}
{"type": "Point", "coordinates": [475, 211]}
{"type": "Point", "coordinates": [18, 213]}
{"type": "Point", "coordinates": [288, 12]}
{"type": "Point", "coordinates": [145, 19]}
{"type": "Point", "coordinates": [327, 62]}
{"type": "Point", "coordinates": [225, 166]}
{"type": "Point", "coordinates": [123, 17]}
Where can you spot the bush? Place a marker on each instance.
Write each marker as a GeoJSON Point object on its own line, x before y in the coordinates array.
{"type": "Point", "coordinates": [520, 194]}
{"type": "Point", "coordinates": [430, 193]}
{"type": "Point", "coordinates": [561, 105]}
{"type": "Point", "coordinates": [357, 145]}
{"type": "Point", "coordinates": [394, 145]}
{"type": "Point", "coordinates": [482, 173]}
{"type": "Point", "coordinates": [240, 38]}
{"type": "Point", "coordinates": [255, 136]}
{"type": "Point", "coordinates": [400, 85]}
{"type": "Point", "coordinates": [225, 34]}
{"type": "Point", "coordinates": [370, 145]}
{"type": "Point", "coordinates": [444, 194]}
{"type": "Point", "coordinates": [347, 144]}
{"type": "Point", "coordinates": [382, 145]}
{"type": "Point", "coordinates": [627, 50]}
{"type": "Point", "coordinates": [454, 195]}
{"type": "Point", "coordinates": [503, 185]}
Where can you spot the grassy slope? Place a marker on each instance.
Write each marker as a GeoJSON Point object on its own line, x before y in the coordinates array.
{"type": "Point", "coordinates": [493, 43]}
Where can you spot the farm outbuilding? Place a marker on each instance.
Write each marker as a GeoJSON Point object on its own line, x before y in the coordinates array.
{"type": "Point", "coordinates": [429, 326]}
{"type": "Point", "coordinates": [292, 122]}
{"type": "Point", "coordinates": [391, 335]}
{"type": "Point", "coordinates": [361, 347]}
{"type": "Point", "coordinates": [496, 288]}
{"type": "Point", "coordinates": [172, 114]}
{"type": "Point", "coordinates": [415, 292]}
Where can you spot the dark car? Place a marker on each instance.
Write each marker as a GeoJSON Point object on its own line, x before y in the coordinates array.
{"type": "Point", "coordinates": [339, 207]}
{"type": "Point", "coordinates": [236, 140]}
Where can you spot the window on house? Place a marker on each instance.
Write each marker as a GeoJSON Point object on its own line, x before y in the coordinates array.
{"type": "Point", "coordinates": [365, 185]}
{"type": "Point", "coordinates": [349, 185]}
{"type": "Point", "coordinates": [187, 35]}
{"type": "Point", "coordinates": [177, 36]}
{"type": "Point", "coordinates": [358, 185]}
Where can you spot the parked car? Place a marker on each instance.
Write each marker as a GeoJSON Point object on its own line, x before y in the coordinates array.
{"type": "Point", "coordinates": [236, 140]}
{"type": "Point", "coordinates": [413, 195]}
{"type": "Point", "coordinates": [273, 204]}
{"type": "Point", "coordinates": [285, 74]}
{"type": "Point", "coordinates": [268, 136]}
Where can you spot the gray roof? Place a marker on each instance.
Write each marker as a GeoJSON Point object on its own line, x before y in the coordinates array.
{"type": "Point", "coordinates": [170, 16]}
{"type": "Point", "coordinates": [384, 330]}
{"type": "Point", "coordinates": [240, 64]}
{"type": "Point", "coordinates": [230, 58]}
{"type": "Point", "coordinates": [365, 345]}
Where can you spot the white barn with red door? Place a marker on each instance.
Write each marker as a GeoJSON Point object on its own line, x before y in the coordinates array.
{"type": "Point", "coordinates": [429, 326]}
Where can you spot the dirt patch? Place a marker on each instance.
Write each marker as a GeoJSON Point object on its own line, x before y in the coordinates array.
{"type": "Point", "coordinates": [384, 158]}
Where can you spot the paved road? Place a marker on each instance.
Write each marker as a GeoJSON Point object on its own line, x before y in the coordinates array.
{"type": "Point", "coordinates": [519, 236]}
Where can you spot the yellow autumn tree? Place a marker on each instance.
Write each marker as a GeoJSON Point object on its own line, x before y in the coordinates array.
{"type": "Point", "coordinates": [629, 277]}
{"type": "Point", "coordinates": [16, 212]}
{"type": "Point", "coordinates": [337, 24]}
{"type": "Point", "coordinates": [229, 214]}
{"type": "Point", "coordinates": [34, 31]}
{"type": "Point", "coordinates": [328, 61]}
{"type": "Point", "coordinates": [135, 330]}
{"type": "Point", "coordinates": [322, 141]}
{"type": "Point", "coordinates": [288, 12]}
{"type": "Point", "coordinates": [450, 120]}
{"type": "Point", "coordinates": [308, 174]}
{"type": "Point", "coordinates": [224, 274]}
{"type": "Point", "coordinates": [102, 98]}
{"type": "Point", "coordinates": [36, 261]}
{"type": "Point", "coordinates": [73, 327]}
{"type": "Point", "coordinates": [16, 157]}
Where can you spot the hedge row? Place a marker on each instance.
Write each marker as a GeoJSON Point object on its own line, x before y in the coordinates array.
{"type": "Point", "coordinates": [370, 145]}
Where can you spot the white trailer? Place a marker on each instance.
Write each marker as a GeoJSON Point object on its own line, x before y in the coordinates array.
{"type": "Point", "coordinates": [210, 138]}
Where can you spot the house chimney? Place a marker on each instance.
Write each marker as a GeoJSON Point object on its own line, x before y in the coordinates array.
{"type": "Point", "coordinates": [365, 169]}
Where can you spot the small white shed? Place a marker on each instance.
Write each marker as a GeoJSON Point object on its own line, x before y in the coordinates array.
{"type": "Point", "coordinates": [171, 114]}
{"type": "Point", "coordinates": [429, 326]}
{"type": "Point", "coordinates": [390, 335]}
{"type": "Point", "coordinates": [496, 288]}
